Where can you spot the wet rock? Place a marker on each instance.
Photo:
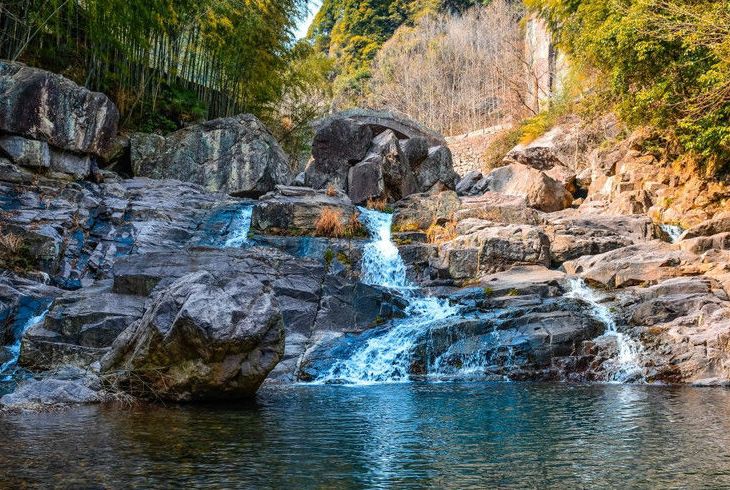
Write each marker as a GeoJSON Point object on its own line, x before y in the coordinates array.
{"type": "Point", "coordinates": [204, 337]}
{"type": "Point", "coordinates": [236, 155]}
{"type": "Point", "coordinates": [60, 389]}
{"type": "Point", "coordinates": [25, 152]}
{"type": "Point", "coordinates": [79, 328]}
{"type": "Point", "coordinates": [540, 191]}
{"type": "Point", "coordinates": [44, 106]}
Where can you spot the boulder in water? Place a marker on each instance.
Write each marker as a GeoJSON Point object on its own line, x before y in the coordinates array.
{"type": "Point", "coordinates": [204, 337]}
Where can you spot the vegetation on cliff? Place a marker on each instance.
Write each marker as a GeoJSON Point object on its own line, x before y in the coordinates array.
{"type": "Point", "coordinates": [662, 63]}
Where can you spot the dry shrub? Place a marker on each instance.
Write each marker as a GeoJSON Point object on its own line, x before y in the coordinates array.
{"type": "Point", "coordinates": [331, 190]}
{"type": "Point", "coordinates": [493, 156]}
{"type": "Point", "coordinates": [10, 242]}
{"type": "Point", "coordinates": [355, 227]}
{"type": "Point", "coordinates": [329, 223]}
{"type": "Point", "coordinates": [438, 234]}
{"type": "Point", "coordinates": [406, 226]}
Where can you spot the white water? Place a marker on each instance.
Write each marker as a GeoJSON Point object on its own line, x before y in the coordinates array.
{"type": "Point", "coordinates": [15, 347]}
{"type": "Point", "coordinates": [387, 358]}
{"type": "Point", "coordinates": [627, 365]}
{"type": "Point", "coordinates": [673, 231]}
{"type": "Point", "coordinates": [240, 226]}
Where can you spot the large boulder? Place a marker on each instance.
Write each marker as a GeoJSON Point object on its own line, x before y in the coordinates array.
{"type": "Point", "coordinates": [401, 125]}
{"type": "Point", "coordinates": [204, 337]}
{"type": "Point", "coordinates": [339, 142]}
{"type": "Point", "coordinates": [540, 191]}
{"type": "Point", "coordinates": [236, 155]}
{"type": "Point", "coordinates": [498, 207]}
{"type": "Point", "coordinates": [44, 106]}
{"type": "Point", "coordinates": [419, 211]}
{"type": "Point", "coordinates": [25, 152]}
{"type": "Point", "coordinates": [437, 167]}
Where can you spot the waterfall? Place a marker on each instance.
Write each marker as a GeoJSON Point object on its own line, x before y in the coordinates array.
{"type": "Point", "coordinates": [387, 358]}
{"type": "Point", "coordinates": [7, 367]}
{"type": "Point", "coordinates": [626, 366]}
{"type": "Point", "coordinates": [673, 231]}
{"type": "Point", "coordinates": [239, 228]}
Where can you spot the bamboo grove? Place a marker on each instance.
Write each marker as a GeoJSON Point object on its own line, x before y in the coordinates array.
{"type": "Point", "coordinates": [193, 59]}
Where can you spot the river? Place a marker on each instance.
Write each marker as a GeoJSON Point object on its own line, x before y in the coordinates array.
{"type": "Point", "coordinates": [409, 435]}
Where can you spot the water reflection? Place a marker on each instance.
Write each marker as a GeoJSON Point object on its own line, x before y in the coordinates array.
{"type": "Point", "coordinates": [445, 435]}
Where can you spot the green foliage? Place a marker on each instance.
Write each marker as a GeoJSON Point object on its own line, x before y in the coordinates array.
{"type": "Point", "coordinates": [165, 63]}
{"type": "Point", "coordinates": [665, 63]}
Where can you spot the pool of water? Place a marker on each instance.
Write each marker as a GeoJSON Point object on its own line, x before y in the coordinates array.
{"type": "Point", "coordinates": [442, 435]}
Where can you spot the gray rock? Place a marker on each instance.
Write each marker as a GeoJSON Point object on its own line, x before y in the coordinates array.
{"type": "Point", "coordinates": [80, 167]}
{"type": "Point", "coordinates": [339, 142]}
{"type": "Point", "coordinates": [540, 191]}
{"type": "Point", "coordinates": [365, 181]}
{"type": "Point", "coordinates": [25, 152]}
{"type": "Point", "coordinates": [415, 150]}
{"type": "Point", "coordinates": [204, 337]}
{"type": "Point", "coordinates": [402, 126]}
{"type": "Point", "coordinates": [398, 177]}
{"type": "Point", "coordinates": [295, 210]}
{"type": "Point", "coordinates": [436, 167]}
{"type": "Point", "coordinates": [466, 184]}
{"type": "Point", "coordinates": [143, 148]}
{"type": "Point", "coordinates": [236, 155]}
{"type": "Point", "coordinates": [41, 105]}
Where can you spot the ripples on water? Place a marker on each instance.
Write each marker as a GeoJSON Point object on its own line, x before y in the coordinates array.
{"type": "Point", "coordinates": [447, 435]}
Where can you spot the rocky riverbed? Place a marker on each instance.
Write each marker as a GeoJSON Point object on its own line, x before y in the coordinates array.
{"type": "Point", "coordinates": [580, 259]}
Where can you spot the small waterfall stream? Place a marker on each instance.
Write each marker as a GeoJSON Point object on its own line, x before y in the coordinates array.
{"type": "Point", "coordinates": [626, 366]}
{"type": "Point", "coordinates": [239, 228]}
{"type": "Point", "coordinates": [673, 232]}
{"type": "Point", "coordinates": [7, 368]}
{"type": "Point", "coordinates": [387, 358]}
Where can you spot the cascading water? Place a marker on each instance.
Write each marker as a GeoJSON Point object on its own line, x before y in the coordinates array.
{"type": "Point", "coordinates": [7, 368]}
{"type": "Point", "coordinates": [240, 226]}
{"type": "Point", "coordinates": [626, 366]}
{"type": "Point", "coordinates": [387, 358]}
{"type": "Point", "coordinates": [673, 232]}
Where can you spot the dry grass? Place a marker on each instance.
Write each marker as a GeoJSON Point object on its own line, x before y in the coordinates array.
{"type": "Point", "coordinates": [493, 156]}
{"type": "Point", "coordinates": [377, 204]}
{"type": "Point", "coordinates": [10, 241]}
{"type": "Point", "coordinates": [331, 190]}
{"type": "Point", "coordinates": [329, 223]}
{"type": "Point", "coordinates": [406, 226]}
{"type": "Point", "coordinates": [438, 234]}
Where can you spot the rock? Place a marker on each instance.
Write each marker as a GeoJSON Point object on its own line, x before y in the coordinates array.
{"type": "Point", "coordinates": [644, 263]}
{"type": "Point", "coordinates": [44, 106]}
{"type": "Point", "coordinates": [480, 247]}
{"type": "Point", "coordinates": [80, 167]}
{"type": "Point", "coordinates": [398, 177]}
{"type": "Point", "coordinates": [295, 210]}
{"type": "Point", "coordinates": [204, 337]}
{"type": "Point", "coordinates": [538, 154]}
{"type": "Point", "coordinates": [498, 207]}
{"type": "Point", "coordinates": [436, 168]}
{"type": "Point", "coordinates": [25, 152]}
{"type": "Point", "coordinates": [79, 328]}
{"type": "Point", "coordinates": [415, 150]}
{"type": "Point", "coordinates": [365, 181]}
{"type": "Point", "coordinates": [64, 388]}
{"type": "Point", "coordinates": [719, 224]}
{"type": "Point", "coordinates": [339, 142]}
{"type": "Point", "coordinates": [143, 149]}
{"type": "Point", "coordinates": [236, 155]}
{"type": "Point", "coordinates": [419, 211]}
{"type": "Point", "coordinates": [466, 184]}
{"type": "Point", "coordinates": [540, 191]}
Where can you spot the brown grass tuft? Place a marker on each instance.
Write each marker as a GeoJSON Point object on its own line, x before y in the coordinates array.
{"type": "Point", "coordinates": [10, 242]}
{"type": "Point", "coordinates": [329, 223]}
{"type": "Point", "coordinates": [331, 190]}
{"type": "Point", "coordinates": [377, 204]}
{"type": "Point", "coordinates": [438, 234]}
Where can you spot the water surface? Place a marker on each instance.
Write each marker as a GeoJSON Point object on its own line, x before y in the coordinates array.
{"type": "Point", "coordinates": [440, 435]}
